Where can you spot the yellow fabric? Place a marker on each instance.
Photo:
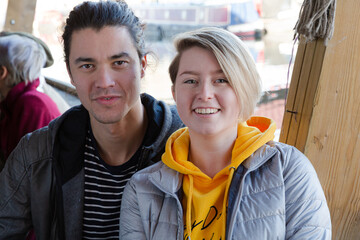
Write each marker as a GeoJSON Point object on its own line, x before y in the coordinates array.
{"type": "Point", "coordinates": [205, 198]}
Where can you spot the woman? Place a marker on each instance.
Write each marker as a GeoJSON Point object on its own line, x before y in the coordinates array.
{"type": "Point", "coordinates": [222, 177]}
{"type": "Point", "coordinates": [23, 108]}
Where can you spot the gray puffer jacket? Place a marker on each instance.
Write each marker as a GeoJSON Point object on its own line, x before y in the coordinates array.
{"type": "Point", "coordinates": [274, 194]}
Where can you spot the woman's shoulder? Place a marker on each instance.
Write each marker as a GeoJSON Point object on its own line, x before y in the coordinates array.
{"type": "Point", "coordinates": [158, 175]}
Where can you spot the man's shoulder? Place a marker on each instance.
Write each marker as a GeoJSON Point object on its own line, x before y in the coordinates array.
{"type": "Point", "coordinates": [76, 115]}
{"type": "Point", "coordinates": [68, 122]}
{"type": "Point", "coordinates": [163, 114]}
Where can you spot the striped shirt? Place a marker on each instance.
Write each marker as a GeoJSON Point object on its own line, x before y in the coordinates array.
{"type": "Point", "coordinates": [104, 185]}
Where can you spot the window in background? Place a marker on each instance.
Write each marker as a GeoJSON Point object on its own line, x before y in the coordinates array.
{"type": "Point", "coordinates": [3, 8]}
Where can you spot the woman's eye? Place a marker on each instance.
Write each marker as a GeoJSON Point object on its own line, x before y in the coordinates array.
{"type": "Point", "coordinates": [222, 81]}
{"type": "Point", "coordinates": [190, 81]}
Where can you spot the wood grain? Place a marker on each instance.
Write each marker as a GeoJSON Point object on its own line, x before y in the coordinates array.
{"type": "Point", "coordinates": [333, 143]}
{"type": "Point", "coordinates": [20, 22]}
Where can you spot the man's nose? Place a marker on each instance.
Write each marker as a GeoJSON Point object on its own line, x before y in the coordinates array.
{"type": "Point", "coordinates": [104, 78]}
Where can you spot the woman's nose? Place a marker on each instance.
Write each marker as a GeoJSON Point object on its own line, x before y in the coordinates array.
{"type": "Point", "coordinates": [206, 91]}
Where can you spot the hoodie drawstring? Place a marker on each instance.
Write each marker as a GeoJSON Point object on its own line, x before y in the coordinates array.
{"type": "Point", "coordinates": [188, 207]}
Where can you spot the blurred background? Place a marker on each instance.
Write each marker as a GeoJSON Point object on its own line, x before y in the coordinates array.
{"type": "Point", "coordinates": [266, 26]}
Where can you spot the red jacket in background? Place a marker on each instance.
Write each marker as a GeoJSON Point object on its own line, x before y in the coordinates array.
{"type": "Point", "coordinates": [24, 110]}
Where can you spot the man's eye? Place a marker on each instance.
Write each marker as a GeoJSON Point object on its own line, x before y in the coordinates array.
{"type": "Point", "coordinates": [86, 66]}
{"type": "Point", "coordinates": [119, 63]}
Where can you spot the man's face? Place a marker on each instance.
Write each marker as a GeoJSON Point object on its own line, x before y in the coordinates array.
{"type": "Point", "coordinates": [106, 70]}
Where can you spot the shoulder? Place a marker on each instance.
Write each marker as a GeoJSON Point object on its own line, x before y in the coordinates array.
{"type": "Point", "coordinates": [299, 175]}
{"type": "Point", "coordinates": [288, 156]}
{"type": "Point", "coordinates": [34, 96]}
{"type": "Point", "coordinates": [282, 161]}
{"type": "Point", "coordinates": [35, 102]}
{"type": "Point", "coordinates": [143, 175]}
{"type": "Point", "coordinates": [157, 178]}
{"type": "Point", "coordinates": [293, 159]}
{"type": "Point", "coordinates": [34, 149]}
{"type": "Point", "coordinates": [161, 111]}
{"type": "Point", "coordinates": [43, 139]}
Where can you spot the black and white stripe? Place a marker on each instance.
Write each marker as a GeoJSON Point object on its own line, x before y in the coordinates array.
{"type": "Point", "coordinates": [104, 186]}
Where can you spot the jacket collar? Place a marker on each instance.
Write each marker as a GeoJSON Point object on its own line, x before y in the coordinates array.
{"type": "Point", "coordinates": [166, 179]}
{"type": "Point", "coordinates": [70, 130]}
{"type": "Point", "coordinates": [170, 181]}
{"type": "Point", "coordinates": [260, 156]}
{"type": "Point", "coordinates": [16, 92]}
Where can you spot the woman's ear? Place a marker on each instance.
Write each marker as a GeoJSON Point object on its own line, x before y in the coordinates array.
{"type": "Point", "coordinates": [173, 92]}
{"type": "Point", "coordinates": [3, 72]}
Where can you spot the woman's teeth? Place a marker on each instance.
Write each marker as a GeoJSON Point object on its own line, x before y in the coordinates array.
{"type": "Point", "coordinates": [206, 110]}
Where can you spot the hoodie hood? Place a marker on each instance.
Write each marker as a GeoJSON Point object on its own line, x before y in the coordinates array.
{"type": "Point", "coordinates": [205, 198]}
{"type": "Point", "coordinates": [252, 134]}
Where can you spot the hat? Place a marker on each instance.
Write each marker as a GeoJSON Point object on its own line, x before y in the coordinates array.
{"type": "Point", "coordinates": [49, 57]}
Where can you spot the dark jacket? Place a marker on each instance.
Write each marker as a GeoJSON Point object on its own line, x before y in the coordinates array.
{"type": "Point", "coordinates": [42, 184]}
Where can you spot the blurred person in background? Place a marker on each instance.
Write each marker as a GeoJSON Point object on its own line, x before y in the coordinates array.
{"type": "Point", "coordinates": [23, 108]}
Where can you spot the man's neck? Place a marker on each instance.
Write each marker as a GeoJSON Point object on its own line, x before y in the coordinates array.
{"type": "Point", "coordinates": [118, 142]}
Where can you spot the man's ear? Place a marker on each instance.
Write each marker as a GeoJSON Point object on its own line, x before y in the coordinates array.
{"type": "Point", "coordinates": [143, 65]}
{"type": "Point", "coordinates": [69, 73]}
{"type": "Point", "coordinates": [3, 72]}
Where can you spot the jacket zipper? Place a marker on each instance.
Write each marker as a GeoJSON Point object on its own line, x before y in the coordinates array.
{"type": "Point", "coordinates": [238, 199]}
{"type": "Point", "coordinates": [179, 208]}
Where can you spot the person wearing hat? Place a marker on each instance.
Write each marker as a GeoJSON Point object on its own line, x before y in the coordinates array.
{"type": "Point", "coordinates": [23, 108]}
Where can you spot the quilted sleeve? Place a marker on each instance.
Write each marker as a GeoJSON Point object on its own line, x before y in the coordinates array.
{"type": "Point", "coordinates": [307, 212]}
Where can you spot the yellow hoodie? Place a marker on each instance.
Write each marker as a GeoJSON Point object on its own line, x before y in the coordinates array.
{"type": "Point", "coordinates": [205, 198]}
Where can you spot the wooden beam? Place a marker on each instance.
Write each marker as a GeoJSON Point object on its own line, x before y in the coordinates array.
{"type": "Point", "coordinates": [298, 110]}
{"type": "Point", "coordinates": [290, 100]}
{"type": "Point", "coordinates": [20, 15]}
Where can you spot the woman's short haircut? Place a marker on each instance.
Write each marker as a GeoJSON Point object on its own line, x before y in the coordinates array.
{"type": "Point", "coordinates": [234, 59]}
{"type": "Point", "coordinates": [23, 58]}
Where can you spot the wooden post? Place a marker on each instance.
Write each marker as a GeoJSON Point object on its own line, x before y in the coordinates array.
{"type": "Point", "coordinates": [20, 15]}
{"type": "Point", "coordinates": [333, 143]}
{"type": "Point", "coordinates": [299, 104]}
{"type": "Point", "coordinates": [330, 135]}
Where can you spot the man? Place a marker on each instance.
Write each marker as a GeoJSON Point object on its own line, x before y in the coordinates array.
{"type": "Point", "coordinates": [23, 109]}
{"type": "Point", "coordinates": [66, 180]}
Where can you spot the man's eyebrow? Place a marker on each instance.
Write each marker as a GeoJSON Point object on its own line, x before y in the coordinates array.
{"type": "Point", "coordinates": [87, 59]}
{"type": "Point", "coordinates": [120, 55]}
{"type": "Point", "coordinates": [82, 59]}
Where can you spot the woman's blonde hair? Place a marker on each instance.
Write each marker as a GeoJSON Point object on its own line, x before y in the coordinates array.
{"type": "Point", "coordinates": [234, 59]}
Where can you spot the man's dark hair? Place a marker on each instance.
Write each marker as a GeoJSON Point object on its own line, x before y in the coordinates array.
{"type": "Point", "coordinates": [101, 14]}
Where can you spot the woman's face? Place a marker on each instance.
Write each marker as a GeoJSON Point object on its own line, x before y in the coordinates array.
{"type": "Point", "coordinates": [206, 102]}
